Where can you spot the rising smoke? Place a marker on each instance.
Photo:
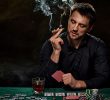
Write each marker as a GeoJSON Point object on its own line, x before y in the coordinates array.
{"type": "Point", "coordinates": [50, 7]}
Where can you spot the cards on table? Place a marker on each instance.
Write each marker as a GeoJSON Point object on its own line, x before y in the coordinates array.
{"type": "Point", "coordinates": [58, 75]}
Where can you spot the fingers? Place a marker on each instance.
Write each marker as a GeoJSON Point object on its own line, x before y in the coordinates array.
{"type": "Point", "coordinates": [55, 40]}
{"type": "Point", "coordinates": [67, 75]}
{"type": "Point", "coordinates": [59, 40]}
{"type": "Point", "coordinates": [68, 79]}
{"type": "Point", "coordinates": [56, 32]}
{"type": "Point", "coordinates": [56, 44]}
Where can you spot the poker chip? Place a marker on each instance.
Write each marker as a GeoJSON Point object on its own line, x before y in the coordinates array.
{"type": "Point", "coordinates": [59, 94]}
{"type": "Point", "coordinates": [71, 93]}
{"type": "Point", "coordinates": [71, 97]}
{"type": "Point", "coordinates": [81, 94]}
{"type": "Point", "coordinates": [48, 94]}
{"type": "Point", "coordinates": [82, 98]}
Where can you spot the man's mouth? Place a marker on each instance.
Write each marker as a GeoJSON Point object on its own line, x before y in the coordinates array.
{"type": "Point", "coordinates": [73, 33]}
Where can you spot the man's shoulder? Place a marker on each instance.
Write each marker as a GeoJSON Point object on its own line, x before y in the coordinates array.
{"type": "Point", "coordinates": [95, 44]}
{"type": "Point", "coordinates": [94, 39]}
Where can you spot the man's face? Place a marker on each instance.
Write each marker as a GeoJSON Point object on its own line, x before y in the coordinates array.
{"type": "Point", "coordinates": [78, 26]}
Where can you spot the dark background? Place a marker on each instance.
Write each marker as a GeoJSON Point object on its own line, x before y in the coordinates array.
{"type": "Point", "coordinates": [22, 33]}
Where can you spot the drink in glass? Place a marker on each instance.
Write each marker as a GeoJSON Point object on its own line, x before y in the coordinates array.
{"type": "Point", "coordinates": [38, 84]}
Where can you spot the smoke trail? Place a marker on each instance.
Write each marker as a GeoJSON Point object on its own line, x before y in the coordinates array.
{"type": "Point", "coordinates": [48, 7]}
{"type": "Point", "coordinates": [50, 22]}
{"type": "Point", "coordinates": [41, 5]}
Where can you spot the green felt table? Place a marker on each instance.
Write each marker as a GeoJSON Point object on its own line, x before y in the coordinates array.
{"type": "Point", "coordinates": [7, 93]}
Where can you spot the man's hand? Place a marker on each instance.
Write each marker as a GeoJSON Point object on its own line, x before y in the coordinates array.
{"type": "Point", "coordinates": [56, 42]}
{"type": "Point", "coordinates": [68, 79]}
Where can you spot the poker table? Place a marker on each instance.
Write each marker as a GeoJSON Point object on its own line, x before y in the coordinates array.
{"type": "Point", "coordinates": [27, 93]}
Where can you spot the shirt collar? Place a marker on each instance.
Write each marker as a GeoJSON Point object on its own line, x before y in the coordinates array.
{"type": "Point", "coordinates": [83, 42]}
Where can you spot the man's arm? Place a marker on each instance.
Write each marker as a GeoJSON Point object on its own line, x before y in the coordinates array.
{"type": "Point", "coordinates": [48, 67]}
{"type": "Point", "coordinates": [49, 57]}
{"type": "Point", "coordinates": [50, 53]}
{"type": "Point", "coordinates": [56, 42]}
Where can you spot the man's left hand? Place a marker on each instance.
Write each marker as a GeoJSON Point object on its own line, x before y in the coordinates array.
{"type": "Point", "coordinates": [68, 79]}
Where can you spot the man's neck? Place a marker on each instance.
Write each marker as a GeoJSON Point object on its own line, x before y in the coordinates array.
{"type": "Point", "coordinates": [74, 43]}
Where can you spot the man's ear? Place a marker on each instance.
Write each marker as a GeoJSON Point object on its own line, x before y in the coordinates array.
{"type": "Point", "coordinates": [90, 28]}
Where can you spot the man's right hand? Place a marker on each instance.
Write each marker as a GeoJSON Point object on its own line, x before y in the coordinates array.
{"type": "Point", "coordinates": [56, 42]}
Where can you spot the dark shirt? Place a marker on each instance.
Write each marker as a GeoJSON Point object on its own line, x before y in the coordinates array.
{"type": "Point", "coordinates": [89, 62]}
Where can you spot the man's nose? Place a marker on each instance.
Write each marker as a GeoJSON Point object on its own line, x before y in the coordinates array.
{"type": "Point", "coordinates": [75, 28]}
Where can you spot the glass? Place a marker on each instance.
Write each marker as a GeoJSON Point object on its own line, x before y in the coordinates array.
{"type": "Point", "coordinates": [38, 84]}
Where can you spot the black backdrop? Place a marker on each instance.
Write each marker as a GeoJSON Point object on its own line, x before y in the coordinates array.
{"type": "Point", "coordinates": [22, 33]}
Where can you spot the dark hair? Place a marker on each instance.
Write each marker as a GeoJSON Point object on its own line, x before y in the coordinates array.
{"type": "Point", "coordinates": [85, 9]}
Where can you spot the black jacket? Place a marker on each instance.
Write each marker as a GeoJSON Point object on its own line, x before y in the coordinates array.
{"type": "Point", "coordinates": [89, 62]}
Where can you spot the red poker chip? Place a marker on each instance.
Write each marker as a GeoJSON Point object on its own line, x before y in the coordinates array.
{"type": "Point", "coordinates": [71, 97]}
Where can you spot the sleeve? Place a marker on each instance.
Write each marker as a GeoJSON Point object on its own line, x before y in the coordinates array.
{"type": "Point", "coordinates": [101, 68]}
{"type": "Point", "coordinates": [48, 67]}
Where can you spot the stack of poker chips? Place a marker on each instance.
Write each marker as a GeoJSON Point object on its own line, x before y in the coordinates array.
{"type": "Point", "coordinates": [88, 94]}
{"type": "Point", "coordinates": [92, 94]}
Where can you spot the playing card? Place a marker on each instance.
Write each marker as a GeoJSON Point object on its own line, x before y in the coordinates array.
{"type": "Point", "coordinates": [58, 75]}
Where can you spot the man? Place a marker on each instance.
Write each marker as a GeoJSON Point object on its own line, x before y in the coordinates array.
{"type": "Point", "coordinates": [80, 56]}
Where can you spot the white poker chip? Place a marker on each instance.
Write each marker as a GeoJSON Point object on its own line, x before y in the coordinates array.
{"type": "Point", "coordinates": [59, 94]}
{"type": "Point", "coordinates": [71, 94]}
{"type": "Point", "coordinates": [48, 94]}
{"type": "Point", "coordinates": [94, 91]}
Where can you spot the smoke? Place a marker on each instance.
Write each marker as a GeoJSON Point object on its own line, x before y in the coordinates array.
{"type": "Point", "coordinates": [50, 7]}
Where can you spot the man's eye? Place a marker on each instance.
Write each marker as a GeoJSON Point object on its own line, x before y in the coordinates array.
{"type": "Point", "coordinates": [72, 21]}
{"type": "Point", "coordinates": [82, 26]}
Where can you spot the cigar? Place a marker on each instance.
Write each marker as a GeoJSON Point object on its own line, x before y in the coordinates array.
{"type": "Point", "coordinates": [60, 26]}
